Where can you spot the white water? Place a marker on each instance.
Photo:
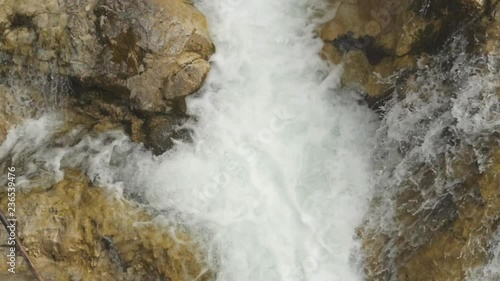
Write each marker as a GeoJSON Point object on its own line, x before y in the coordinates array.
{"type": "Point", "coordinates": [278, 175]}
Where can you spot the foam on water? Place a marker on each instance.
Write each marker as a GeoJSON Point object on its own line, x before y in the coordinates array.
{"type": "Point", "coordinates": [491, 270]}
{"type": "Point", "coordinates": [277, 177]}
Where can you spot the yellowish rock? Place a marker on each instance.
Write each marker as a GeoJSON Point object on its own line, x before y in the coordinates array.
{"type": "Point", "coordinates": [332, 30]}
{"type": "Point", "coordinates": [76, 231]}
{"type": "Point", "coordinates": [16, 105]}
{"type": "Point", "coordinates": [373, 28]}
{"type": "Point", "coordinates": [452, 251]}
{"type": "Point", "coordinates": [103, 44]}
{"type": "Point", "coordinates": [397, 30]}
{"type": "Point", "coordinates": [119, 60]}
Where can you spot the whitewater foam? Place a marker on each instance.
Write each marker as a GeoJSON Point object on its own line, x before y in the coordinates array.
{"type": "Point", "coordinates": [277, 177]}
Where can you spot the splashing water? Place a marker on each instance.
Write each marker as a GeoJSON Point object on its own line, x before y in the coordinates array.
{"type": "Point", "coordinates": [491, 270]}
{"type": "Point", "coordinates": [278, 175]}
{"type": "Point", "coordinates": [447, 113]}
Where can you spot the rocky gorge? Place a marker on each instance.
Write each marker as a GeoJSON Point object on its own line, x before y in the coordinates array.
{"type": "Point", "coordinates": [108, 68]}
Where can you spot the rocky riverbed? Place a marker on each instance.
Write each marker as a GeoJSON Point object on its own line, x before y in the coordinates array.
{"type": "Point", "coordinates": [108, 68]}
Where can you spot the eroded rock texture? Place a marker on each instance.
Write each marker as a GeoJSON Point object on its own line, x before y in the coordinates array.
{"type": "Point", "coordinates": [77, 231]}
{"type": "Point", "coordinates": [378, 39]}
{"type": "Point", "coordinates": [432, 71]}
{"type": "Point", "coordinates": [123, 62]}
{"type": "Point", "coordinates": [102, 65]}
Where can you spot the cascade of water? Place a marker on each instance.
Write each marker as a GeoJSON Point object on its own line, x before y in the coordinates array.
{"type": "Point", "coordinates": [277, 177]}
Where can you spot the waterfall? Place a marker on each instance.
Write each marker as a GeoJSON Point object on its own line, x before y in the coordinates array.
{"type": "Point", "coordinates": [278, 174]}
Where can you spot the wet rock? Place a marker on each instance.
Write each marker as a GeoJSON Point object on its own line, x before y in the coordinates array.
{"type": "Point", "coordinates": [452, 249]}
{"type": "Point", "coordinates": [77, 231]}
{"type": "Point", "coordinates": [435, 207]}
{"type": "Point", "coordinates": [106, 43]}
{"type": "Point", "coordinates": [492, 44]}
{"type": "Point", "coordinates": [156, 131]}
{"type": "Point", "coordinates": [16, 105]}
{"type": "Point", "coordinates": [397, 33]}
{"type": "Point", "coordinates": [161, 131]}
{"type": "Point", "coordinates": [140, 55]}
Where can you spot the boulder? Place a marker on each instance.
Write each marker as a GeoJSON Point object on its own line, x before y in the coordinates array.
{"type": "Point", "coordinates": [430, 68]}
{"type": "Point", "coordinates": [76, 231]}
{"type": "Point", "coordinates": [140, 55]}
{"type": "Point", "coordinates": [391, 35]}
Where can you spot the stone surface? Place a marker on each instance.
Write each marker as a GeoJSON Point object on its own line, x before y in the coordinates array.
{"type": "Point", "coordinates": [141, 57]}
{"type": "Point", "coordinates": [76, 231]}
{"type": "Point", "coordinates": [110, 45]}
{"type": "Point", "coordinates": [106, 65]}
{"type": "Point", "coordinates": [436, 209]}
{"type": "Point", "coordinates": [16, 105]}
{"type": "Point", "coordinates": [395, 33]}
{"type": "Point", "coordinates": [456, 247]}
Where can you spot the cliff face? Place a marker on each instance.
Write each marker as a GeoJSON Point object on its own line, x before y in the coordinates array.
{"type": "Point", "coordinates": [431, 69]}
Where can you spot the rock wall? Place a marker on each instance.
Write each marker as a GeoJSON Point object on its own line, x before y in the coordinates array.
{"type": "Point", "coordinates": [432, 71]}
{"type": "Point", "coordinates": [105, 65]}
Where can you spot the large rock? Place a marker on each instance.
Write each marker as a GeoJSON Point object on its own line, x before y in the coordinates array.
{"type": "Point", "coordinates": [434, 214]}
{"type": "Point", "coordinates": [76, 231]}
{"type": "Point", "coordinates": [142, 55]}
{"type": "Point", "coordinates": [380, 40]}
{"type": "Point", "coordinates": [107, 65]}
{"type": "Point", "coordinates": [444, 242]}
{"type": "Point", "coordinates": [431, 69]}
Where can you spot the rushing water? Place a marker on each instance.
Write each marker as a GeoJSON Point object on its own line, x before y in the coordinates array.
{"type": "Point", "coordinates": [278, 174]}
{"type": "Point", "coordinates": [277, 177]}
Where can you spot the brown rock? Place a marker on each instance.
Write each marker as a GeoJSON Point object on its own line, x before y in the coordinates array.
{"type": "Point", "coordinates": [17, 105]}
{"type": "Point", "coordinates": [159, 131]}
{"type": "Point", "coordinates": [452, 249]}
{"type": "Point", "coordinates": [77, 231]}
{"type": "Point", "coordinates": [331, 30]}
{"type": "Point", "coordinates": [120, 60]}
{"type": "Point", "coordinates": [420, 229]}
